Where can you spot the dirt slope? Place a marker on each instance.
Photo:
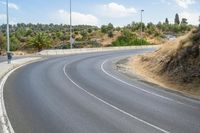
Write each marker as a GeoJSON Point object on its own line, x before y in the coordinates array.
{"type": "Point", "coordinates": [175, 65]}
{"type": "Point", "coordinates": [106, 41]}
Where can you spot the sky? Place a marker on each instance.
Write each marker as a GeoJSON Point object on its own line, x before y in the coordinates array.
{"type": "Point", "coordinates": [99, 12]}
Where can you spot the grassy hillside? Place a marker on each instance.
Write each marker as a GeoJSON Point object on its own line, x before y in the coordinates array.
{"type": "Point", "coordinates": [35, 37]}
{"type": "Point", "coordinates": [176, 64]}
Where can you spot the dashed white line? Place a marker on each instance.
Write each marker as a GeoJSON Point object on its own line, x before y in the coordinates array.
{"type": "Point", "coordinates": [112, 106]}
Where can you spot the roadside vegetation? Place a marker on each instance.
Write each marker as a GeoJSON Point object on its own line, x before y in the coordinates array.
{"type": "Point", "coordinates": [128, 38]}
{"type": "Point", "coordinates": [175, 65]}
{"type": "Point", "coordinates": [36, 37]}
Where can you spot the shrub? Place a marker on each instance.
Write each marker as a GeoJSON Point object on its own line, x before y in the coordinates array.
{"type": "Point", "coordinates": [129, 39]}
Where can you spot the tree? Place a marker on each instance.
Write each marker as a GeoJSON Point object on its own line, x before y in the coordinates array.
{"type": "Point", "coordinates": [110, 34]}
{"type": "Point", "coordinates": [2, 41]}
{"type": "Point", "coordinates": [177, 20]}
{"type": "Point", "coordinates": [135, 26]}
{"type": "Point", "coordinates": [103, 28]}
{"type": "Point", "coordinates": [166, 21]}
{"type": "Point", "coordinates": [107, 28]}
{"type": "Point", "coordinates": [159, 25]}
{"type": "Point", "coordinates": [150, 25]}
{"type": "Point", "coordinates": [184, 21]}
{"type": "Point", "coordinates": [151, 28]}
{"type": "Point", "coordinates": [40, 41]}
{"type": "Point", "coordinates": [14, 43]}
{"type": "Point", "coordinates": [84, 34]}
{"type": "Point", "coordinates": [89, 30]}
{"type": "Point", "coordinates": [118, 29]}
{"type": "Point", "coordinates": [110, 27]}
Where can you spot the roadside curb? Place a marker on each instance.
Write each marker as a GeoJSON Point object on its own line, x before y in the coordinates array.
{"type": "Point", "coordinates": [92, 50]}
{"type": "Point", "coordinates": [5, 125]}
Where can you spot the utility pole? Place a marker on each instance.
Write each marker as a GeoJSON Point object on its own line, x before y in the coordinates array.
{"type": "Point", "coordinates": [8, 34]}
{"type": "Point", "coordinates": [71, 39]}
{"type": "Point", "coordinates": [141, 25]}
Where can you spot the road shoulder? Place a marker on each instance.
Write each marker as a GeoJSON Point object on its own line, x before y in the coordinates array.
{"type": "Point", "coordinates": [5, 71]}
{"type": "Point", "coordinates": [125, 67]}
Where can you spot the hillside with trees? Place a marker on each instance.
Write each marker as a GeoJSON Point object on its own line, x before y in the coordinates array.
{"type": "Point", "coordinates": [36, 37]}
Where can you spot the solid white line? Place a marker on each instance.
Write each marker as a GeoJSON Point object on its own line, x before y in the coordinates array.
{"type": "Point", "coordinates": [102, 68]}
{"type": "Point", "coordinates": [112, 106]}
{"type": "Point", "coordinates": [163, 97]}
{"type": "Point", "coordinates": [7, 127]}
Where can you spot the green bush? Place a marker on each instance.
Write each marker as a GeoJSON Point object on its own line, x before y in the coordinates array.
{"type": "Point", "coordinates": [129, 39]}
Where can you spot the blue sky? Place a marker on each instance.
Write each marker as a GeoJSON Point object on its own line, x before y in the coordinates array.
{"type": "Point", "coordinates": [98, 12]}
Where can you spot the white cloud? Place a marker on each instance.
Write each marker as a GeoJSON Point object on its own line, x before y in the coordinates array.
{"type": "Point", "coordinates": [117, 10]}
{"type": "Point", "coordinates": [192, 17]}
{"type": "Point", "coordinates": [10, 5]}
{"type": "Point", "coordinates": [185, 3]}
{"type": "Point", "coordinates": [63, 16]}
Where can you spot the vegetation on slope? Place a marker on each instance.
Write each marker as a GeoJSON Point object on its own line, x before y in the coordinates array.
{"type": "Point", "coordinates": [90, 36]}
{"type": "Point", "coordinates": [176, 64]}
{"type": "Point", "coordinates": [128, 39]}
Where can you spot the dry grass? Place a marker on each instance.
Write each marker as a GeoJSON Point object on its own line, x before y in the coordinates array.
{"type": "Point", "coordinates": [175, 65]}
{"type": "Point", "coordinates": [106, 41]}
{"type": "Point", "coordinates": [155, 41]}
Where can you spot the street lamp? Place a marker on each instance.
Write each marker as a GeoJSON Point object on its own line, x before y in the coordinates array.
{"type": "Point", "coordinates": [8, 34]}
{"type": "Point", "coordinates": [71, 39]}
{"type": "Point", "coordinates": [141, 23]}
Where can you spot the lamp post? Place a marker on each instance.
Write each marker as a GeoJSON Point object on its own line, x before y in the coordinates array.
{"type": "Point", "coordinates": [71, 39]}
{"type": "Point", "coordinates": [141, 23]}
{"type": "Point", "coordinates": [8, 34]}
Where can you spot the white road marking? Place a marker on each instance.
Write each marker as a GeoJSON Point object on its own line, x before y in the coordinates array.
{"type": "Point", "coordinates": [112, 106]}
{"type": "Point", "coordinates": [6, 124]}
{"type": "Point", "coordinates": [163, 97]}
{"type": "Point", "coordinates": [7, 127]}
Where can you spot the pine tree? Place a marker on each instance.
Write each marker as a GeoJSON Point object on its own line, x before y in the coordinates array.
{"type": "Point", "coordinates": [177, 20]}
{"type": "Point", "coordinates": [166, 21]}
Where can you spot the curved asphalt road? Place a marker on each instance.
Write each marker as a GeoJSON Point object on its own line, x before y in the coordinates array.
{"type": "Point", "coordinates": [85, 94]}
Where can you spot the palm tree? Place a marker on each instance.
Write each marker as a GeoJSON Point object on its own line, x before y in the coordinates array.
{"type": "Point", "coordinates": [40, 41]}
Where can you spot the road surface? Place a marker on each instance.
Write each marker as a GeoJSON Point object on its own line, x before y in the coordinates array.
{"type": "Point", "coordinates": [85, 94]}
